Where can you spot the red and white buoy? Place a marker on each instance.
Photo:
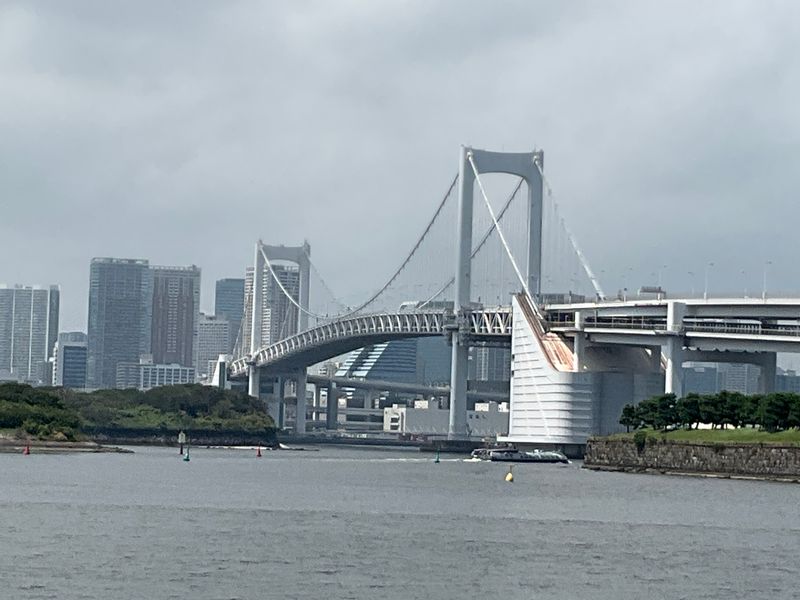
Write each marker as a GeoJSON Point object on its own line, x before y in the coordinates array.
{"type": "Point", "coordinates": [26, 450]}
{"type": "Point", "coordinates": [258, 452]}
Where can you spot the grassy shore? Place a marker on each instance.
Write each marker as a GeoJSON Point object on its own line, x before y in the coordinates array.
{"type": "Point", "coordinates": [744, 435]}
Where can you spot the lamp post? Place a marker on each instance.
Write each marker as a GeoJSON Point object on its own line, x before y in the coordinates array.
{"type": "Point", "coordinates": [660, 272]}
{"type": "Point", "coordinates": [764, 283]}
{"type": "Point", "coordinates": [744, 280]}
{"type": "Point", "coordinates": [705, 287]}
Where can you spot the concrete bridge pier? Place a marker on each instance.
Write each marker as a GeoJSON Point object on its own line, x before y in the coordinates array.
{"type": "Point", "coordinates": [253, 381]}
{"type": "Point", "coordinates": [332, 412]}
{"type": "Point", "coordinates": [769, 372]}
{"type": "Point", "coordinates": [673, 376]}
{"type": "Point", "coordinates": [301, 382]}
{"type": "Point", "coordinates": [316, 403]}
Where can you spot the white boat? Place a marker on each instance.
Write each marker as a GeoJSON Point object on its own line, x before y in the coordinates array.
{"type": "Point", "coordinates": [511, 454]}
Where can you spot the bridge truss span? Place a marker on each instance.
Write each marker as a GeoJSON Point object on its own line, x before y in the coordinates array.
{"type": "Point", "coordinates": [325, 341]}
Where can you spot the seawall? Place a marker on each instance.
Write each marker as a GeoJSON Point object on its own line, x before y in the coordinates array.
{"type": "Point", "coordinates": [761, 461]}
{"type": "Point", "coordinates": [169, 437]}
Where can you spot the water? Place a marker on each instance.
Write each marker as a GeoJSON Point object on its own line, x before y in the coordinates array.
{"type": "Point", "coordinates": [342, 523]}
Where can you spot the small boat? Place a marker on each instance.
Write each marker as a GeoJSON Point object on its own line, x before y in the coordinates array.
{"type": "Point", "coordinates": [512, 454]}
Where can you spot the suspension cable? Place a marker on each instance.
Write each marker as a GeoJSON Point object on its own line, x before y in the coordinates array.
{"type": "Point", "coordinates": [385, 286]}
{"type": "Point", "coordinates": [481, 244]}
{"type": "Point", "coordinates": [581, 257]}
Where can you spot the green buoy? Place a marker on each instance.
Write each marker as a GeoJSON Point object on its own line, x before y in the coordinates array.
{"type": "Point", "coordinates": [437, 456]}
{"type": "Point", "coordinates": [186, 456]}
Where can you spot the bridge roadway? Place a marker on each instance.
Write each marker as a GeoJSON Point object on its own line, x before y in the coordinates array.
{"type": "Point", "coordinates": [724, 325]}
{"type": "Point", "coordinates": [394, 386]}
{"type": "Point", "coordinates": [738, 325]}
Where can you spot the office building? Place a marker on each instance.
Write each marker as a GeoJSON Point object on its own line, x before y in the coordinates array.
{"type": "Point", "coordinates": [787, 381]}
{"type": "Point", "coordinates": [28, 331]}
{"type": "Point", "coordinates": [145, 374]}
{"type": "Point", "coordinates": [735, 377]}
{"type": "Point", "coordinates": [175, 315]}
{"type": "Point", "coordinates": [120, 311]}
{"type": "Point", "coordinates": [229, 305]}
{"type": "Point", "coordinates": [490, 364]}
{"type": "Point", "coordinates": [213, 339]}
{"type": "Point", "coordinates": [433, 361]}
{"type": "Point", "coordinates": [69, 360]}
{"type": "Point", "coordinates": [390, 361]}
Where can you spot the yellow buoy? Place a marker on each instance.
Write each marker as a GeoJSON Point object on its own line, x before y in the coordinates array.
{"type": "Point", "coordinates": [510, 475]}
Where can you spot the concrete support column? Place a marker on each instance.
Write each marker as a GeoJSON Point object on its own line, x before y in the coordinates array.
{"type": "Point", "coordinates": [317, 402]}
{"type": "Point", "coordinates": [579, 351]}
{"type": "Point", "coordinates": [369, 398]}
{"type": "Point", "coordinates": [280, 395]}
{"type": "Point", "coordinates": [673, 378]}
{"type": "Point", "coordinates": [274, 404]}
{"type": "Point", "coordinates": [675, 313]}
{"type": "Point", "coordinates": [332, 412]}
{"type": "Point", "coordinates": [458, 390]}
{"type": "Point", "coordinates": [301, 382]}
{"type": "Point", "coordinates": [253, 381]}
{"type": "Point", "coordinates": [769, 371]}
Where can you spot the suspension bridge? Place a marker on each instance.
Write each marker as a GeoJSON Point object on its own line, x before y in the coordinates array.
{"type": "Point", "coordinates": [505, 272]}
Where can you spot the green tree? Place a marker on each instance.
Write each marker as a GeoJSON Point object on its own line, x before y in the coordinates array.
{"type": "Point", "coordinates": [630, 417]}
{"type": "Point", "coordinates": [688, 409]}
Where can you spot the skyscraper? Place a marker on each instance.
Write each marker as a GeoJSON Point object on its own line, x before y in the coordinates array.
{"type": "Point", "coordinates": [69, 360]}
{"type": "Point", "coordinates": [213, 339]}
{"type": "Point", "coordinates": [229, 305]}
{"type": "Point", "coordinates": [28, 330]}
{"type": "Point", "coordinates": [120, 307]}
{"type": "Point", "coordinates": [175, 315]}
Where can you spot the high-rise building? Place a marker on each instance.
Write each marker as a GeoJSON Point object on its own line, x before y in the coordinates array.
{"type": "Point", "coordinates": [120, 310]}
{"type": "Point", "coordinates": [213, 339]}
{"type": "Point", "coordinates": [491, 364]}
{"type": "Point", "coordinates": [175, 315]}
{"type": "Point", "coordinates": [279, 316]}
{"type": "Point", "coordinates": [69, 360]}
{"type": "Point", "coordinates": [389, 361]}
{"type": "Point", "coordinates": [433, 361]}
{"type": "Point", "coordinates": [28, 330]}
{"type": "Point", "coordinates": [229, 305]}
{"type": "Point", "coordinates": [735, 377]}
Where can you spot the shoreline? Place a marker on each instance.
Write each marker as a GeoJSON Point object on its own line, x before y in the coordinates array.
{"type": "Point", "coordinates": [8, 446]}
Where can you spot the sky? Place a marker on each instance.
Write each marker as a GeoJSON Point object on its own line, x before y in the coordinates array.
{"type": "Point", "coordinates": [184, 131]}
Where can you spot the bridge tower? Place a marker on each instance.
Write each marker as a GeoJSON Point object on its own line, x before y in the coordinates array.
{"type": "Point", "coordinates": [527, 165]}
{"type": "Point", "coordinates": [299, 255]}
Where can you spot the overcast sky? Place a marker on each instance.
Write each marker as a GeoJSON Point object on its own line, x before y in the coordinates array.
{"type": "Point", "coordinates": [183, 131]}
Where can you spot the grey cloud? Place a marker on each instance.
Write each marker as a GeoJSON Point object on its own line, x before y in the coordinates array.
{"type": "Point", "coordinates": [183, 131]}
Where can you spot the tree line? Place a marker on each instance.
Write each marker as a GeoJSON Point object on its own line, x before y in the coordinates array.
{"type": "Point", "coordinates": [47, 411]}
{"type": "Point", "coordinates": [777, 411]}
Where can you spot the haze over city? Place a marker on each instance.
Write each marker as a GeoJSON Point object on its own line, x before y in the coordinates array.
{"type": "Point", "coordinates": [182, 133]}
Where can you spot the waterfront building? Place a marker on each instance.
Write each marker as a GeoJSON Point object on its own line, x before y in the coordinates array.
{"type": "Point", "coordinates": [736, 377]}
{"type": "Point", "coordinates": [229, 305]}
{"type": "Point", "coordinates": [213, 339]}
{"type": "Point", "coordinates": [700, 378]}
{"type": "Point", "coordinates": [120, 315]}
{"type": "Point", "coordinates": [28, 331]}
{"type": "Point", "coordinates": [491, 364]}
{"type": "Point", "coordinates": [489, 419]}
{"type": "Point", "coordinates": [433, 361]}
{"type": "Point", "coordinates": [389, 361]}
{"type": "Point", "coordinates": [787, 381]}
{"type": "Point", "coordinates": [175, 315]}
{"type": "Point", "coordinates": [69, 360]}
{"type": "Point", "coordinates": [145, 374]}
